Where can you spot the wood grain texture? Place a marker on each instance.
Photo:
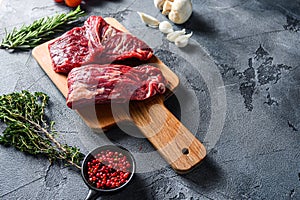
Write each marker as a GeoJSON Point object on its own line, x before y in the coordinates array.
{"type": "Point", "coordinates": [166, 133]}
{"type": "Point", "coordinates": [180, 148]}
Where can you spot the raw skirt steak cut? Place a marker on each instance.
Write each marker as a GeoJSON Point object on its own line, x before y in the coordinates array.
{"type": "Point", "coordinates": [97, 84]}
{"type": "Point", "coordinates": [95, 42]}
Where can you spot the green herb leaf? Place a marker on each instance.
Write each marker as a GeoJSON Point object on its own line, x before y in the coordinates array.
{"type": "Point", "coordinates": [29, 131]}
{"type": "Point", "coordinates": [39, 31]}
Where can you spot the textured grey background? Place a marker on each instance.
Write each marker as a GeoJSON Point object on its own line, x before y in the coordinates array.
{"type": "Point", "coordinates": [239, 94]}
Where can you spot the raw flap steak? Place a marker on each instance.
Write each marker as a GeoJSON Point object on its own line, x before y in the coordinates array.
{"type": "Point", "coordinates": [97, 84]}
{"type": "Point", "coordinates": [95, 42]}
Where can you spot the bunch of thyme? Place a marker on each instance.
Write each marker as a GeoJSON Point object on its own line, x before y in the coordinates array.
{"type": "Point", "coordinates": [28, 129]}
{"type": "Point", "coordinates": [39, 31]}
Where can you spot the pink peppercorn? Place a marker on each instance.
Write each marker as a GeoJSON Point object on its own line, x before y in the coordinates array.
{"type": "Point", "coordinates": [108, 169]}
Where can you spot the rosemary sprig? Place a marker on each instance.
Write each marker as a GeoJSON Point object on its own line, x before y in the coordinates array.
{"type": "Point", "coordinates": [29, 131]}
{"type": "Point", "coordinates": [39, 31]}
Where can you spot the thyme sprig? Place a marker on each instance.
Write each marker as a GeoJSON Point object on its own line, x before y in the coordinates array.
{"type": "Point", "coordinates": [39, 31]}
{"type": "Point", "coordinates": [28, 129]}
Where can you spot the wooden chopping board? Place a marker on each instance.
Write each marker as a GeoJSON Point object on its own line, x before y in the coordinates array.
{"type": "Point", "coordinates": [180, 148]}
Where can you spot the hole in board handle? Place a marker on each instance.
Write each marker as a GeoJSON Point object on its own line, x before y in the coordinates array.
{"type": "Point", "coordinates": [185, 151]}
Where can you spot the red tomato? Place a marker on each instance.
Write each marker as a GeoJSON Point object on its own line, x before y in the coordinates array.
{"type": "Point", "coordinates": [73, 3]}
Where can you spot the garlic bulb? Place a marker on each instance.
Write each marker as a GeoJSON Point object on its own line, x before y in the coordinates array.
{"type": "Point", "coordinates": [167, 7]}
{"type": "Point", "coordinates": [178, 11]}
{"type": "Point", "coordinates": [181, 11]}
{"type": "Point", "coordinates": [149, 20]}
{"type": "Point", "coordinates": [165, 27]}
{"type": "Point", "coordinates": [173, 35]}
{"type": "Point", "coordinates": [183, 40]}
{"type": "Point", "coordinates": [159, 4]}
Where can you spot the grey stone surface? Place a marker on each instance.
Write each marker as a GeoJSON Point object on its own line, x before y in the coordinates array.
{"type": "Point", "coordinates": [239, 94]}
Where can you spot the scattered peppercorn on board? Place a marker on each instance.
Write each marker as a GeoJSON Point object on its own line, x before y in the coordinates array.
{"type": "Point", "coordinates": [180, 148]}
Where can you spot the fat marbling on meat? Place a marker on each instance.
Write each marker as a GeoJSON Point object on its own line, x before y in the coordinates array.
{"type": "Point", "coordinates": [95, 42]}
{"type": "Point", "coordinates": [98, 84]}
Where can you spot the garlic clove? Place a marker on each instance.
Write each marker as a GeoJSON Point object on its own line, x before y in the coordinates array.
{"type": "Point", "coordinates": [183, 40]}
{"type": "Point", "coordinates": [173, 35]}
{"type": "Point", "coordinates": [165, 27]}
{"type": "Point", "coordinates": [159, 4]}
{"type": "Point", "coordinates": [149, 20]}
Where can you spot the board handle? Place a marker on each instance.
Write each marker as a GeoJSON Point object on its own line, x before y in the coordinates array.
{"type": "Point", "coordinates": [180, 148]}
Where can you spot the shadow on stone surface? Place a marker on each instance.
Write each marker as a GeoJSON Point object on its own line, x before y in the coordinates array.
{"type": "Point", "coordinates": [134, 190]}
{"type": "Point", "coordinates": [198, 24]}
{"type": "Point", "coordinates": [206, 175]}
